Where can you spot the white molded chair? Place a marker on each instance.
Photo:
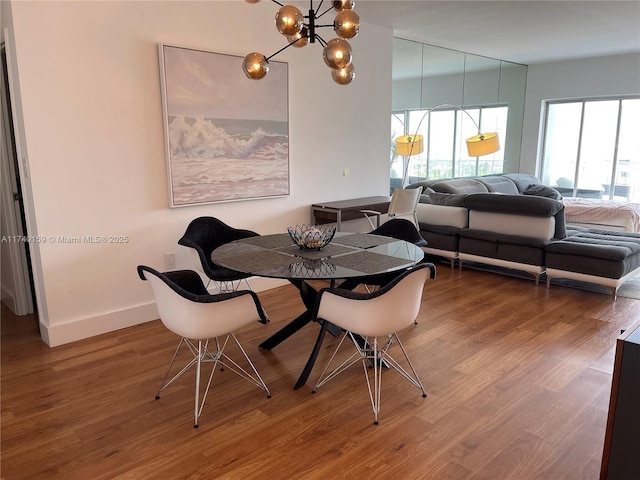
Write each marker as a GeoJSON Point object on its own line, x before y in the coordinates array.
{"type": "Point", "coordinates": [366, 317]}
{"type": "Point", "coordinates": [187, 309]}
{"type": "Point", "coordinates": [403, 204]}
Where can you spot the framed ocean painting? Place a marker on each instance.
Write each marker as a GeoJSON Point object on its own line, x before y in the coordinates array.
{"type": "Point", "coordinates": [226, 136]}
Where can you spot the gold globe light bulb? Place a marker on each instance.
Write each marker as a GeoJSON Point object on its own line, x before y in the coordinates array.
{"type": "Point", "coordinates": [346, 24]}
{"type": "Point", "coordinates": [289, 20]}
{"type": "Point", "coordinates": [252, 1]}
{"type": "Point", "coordinates": [255, 66]}
{"type": "Point", "coordinates": [344, 76]}
{"type": "Point", "coordinates": [337, 53]}
{"type": "Point", "coordinates": [301, 39]}
{"type": "Point", "coordinates": [339, 5]}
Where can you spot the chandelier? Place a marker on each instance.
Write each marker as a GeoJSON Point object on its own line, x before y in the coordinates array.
{"type": "Point", "coordinates": [301, 30]}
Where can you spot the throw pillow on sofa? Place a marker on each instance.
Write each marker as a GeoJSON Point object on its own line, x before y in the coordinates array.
{"type": "Point", "coordinates": [542, 191]}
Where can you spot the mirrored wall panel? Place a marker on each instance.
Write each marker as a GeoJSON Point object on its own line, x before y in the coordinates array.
{"type": "Point", "coordinates": [447, 96]}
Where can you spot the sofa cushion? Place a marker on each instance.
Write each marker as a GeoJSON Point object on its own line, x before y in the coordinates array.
{"type": "Point", "coordinates": [602, 253]}
{"type": "Point", "coordinates": [596, 243]}
{"type": "Point", "coordinates": [441, 237]}
{"type": "Point", "coordinates": [424, 198]}
{"type": "Point", "coordinates": [457, 217]}
{"type": "Point", "coordinates": [511, 248]}
{"type": "Point", "coordinates": [521, 205]}
{"type": "Point", "coordinates": [522, 180]}
{"type": "Point", "coordinates": [447, 199]}
{"type": "Point", "coordinates": [499, 184]}
{"type": "Point", "coordinates": [514, 204]}
{"type": "Point", "coordinates": [495, 223]}
{"type": "Point", "coordinates": [543, 191]}
{"type": "Point", "coordinates": [459, 185]}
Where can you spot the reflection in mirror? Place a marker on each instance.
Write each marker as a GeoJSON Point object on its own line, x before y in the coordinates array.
{"type": "Point", "coordinates": [491, 91]}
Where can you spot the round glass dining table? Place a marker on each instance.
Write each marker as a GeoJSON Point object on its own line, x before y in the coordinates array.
{"type": "Point", "coordinates": [348, 255]}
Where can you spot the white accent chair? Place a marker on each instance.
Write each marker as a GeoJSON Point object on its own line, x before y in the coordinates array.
{"type": "Point", "coordinates": [188, 310]}
{"type": "Point", "coordinates": [365, 317]}
{"type": "Point", "coordinates": [403, 204]}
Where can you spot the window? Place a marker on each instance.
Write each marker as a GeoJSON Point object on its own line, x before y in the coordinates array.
{"type": "Point", "coordinates": [445, 153]}
{"type": "Point", "coordinates": [591, 148]}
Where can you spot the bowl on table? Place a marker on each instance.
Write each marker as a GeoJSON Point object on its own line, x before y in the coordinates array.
{"type": "Point", "coordinates": [311, 237]}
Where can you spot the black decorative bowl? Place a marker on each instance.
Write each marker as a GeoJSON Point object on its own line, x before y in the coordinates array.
{"type": "Point", "coordinates": [311, 237]}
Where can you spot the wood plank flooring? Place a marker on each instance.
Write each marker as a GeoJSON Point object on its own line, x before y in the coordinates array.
{"type": "Point", "coordinates": [518, 380]}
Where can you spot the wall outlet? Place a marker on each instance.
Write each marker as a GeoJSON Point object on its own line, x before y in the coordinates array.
{"type": "Point", "coordinates": [169, 260]}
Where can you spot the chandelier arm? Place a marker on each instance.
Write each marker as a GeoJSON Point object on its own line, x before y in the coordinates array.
{"type": "Point", "coordinates": [278, 3]}
{"type": "Point", "coordinates": [283, 48]}
{"type": "Point", "coordinates": [325, 12]}
{"type": "Point", "coordinates": [321, 40]}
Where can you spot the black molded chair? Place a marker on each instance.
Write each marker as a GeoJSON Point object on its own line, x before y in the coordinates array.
{"type": "Point", "coordinates": [204, 235]}
{"type": "Point", "coordinates": [398, 228]}
{"type": "Point", "coordinates": [369, 316]}
{"type": "Point", "coordinates": [188, 310]}
{"type": "Point", "coordinates": [401, 229]}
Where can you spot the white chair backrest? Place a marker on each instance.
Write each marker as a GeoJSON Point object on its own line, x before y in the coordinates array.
{"type": "Point", "coordinates": [404, 203]}
{"type": "Point", "coordinates": [200, 321]}
{"type": "Point", "coordinates": [378, 316]}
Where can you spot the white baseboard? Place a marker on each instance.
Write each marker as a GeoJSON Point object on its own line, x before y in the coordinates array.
{"type": "Point", "coordinates": [8, 299]}
{"type": "Point", "coordinates": [61, 333]}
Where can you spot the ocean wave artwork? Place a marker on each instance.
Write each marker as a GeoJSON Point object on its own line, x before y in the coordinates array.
{"type": "Point", "coordinates": [226, 136]}
{"type": "Point", "coordinates": [222, 160]}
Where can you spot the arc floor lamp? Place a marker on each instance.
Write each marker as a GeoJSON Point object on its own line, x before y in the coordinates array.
{"type": "Point", "coordinates": [413, 144]}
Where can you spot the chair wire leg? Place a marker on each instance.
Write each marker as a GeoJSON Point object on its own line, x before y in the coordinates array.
{"type": "Point", "coordinates": [166, 383]}
{"type": "Point", "coordinates": [374, 395]}
{"type": "Point", "coordinates": [340, 368]}
{"type": "Point", "coordinates": [413, 379]}
{"type": "Point", "coordinates": [257, 379]}
{"type": "Point", "coordinates": [197, 395]}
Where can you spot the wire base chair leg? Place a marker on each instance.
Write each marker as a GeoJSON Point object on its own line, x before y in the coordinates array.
{"type": "Point", "coordinates": [202, 354]}
{"type": "Point", "coordinates": [373, 356]}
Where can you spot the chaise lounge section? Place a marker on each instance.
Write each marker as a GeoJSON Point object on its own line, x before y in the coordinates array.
{"type": "Point", "coordinates": [607, 258]}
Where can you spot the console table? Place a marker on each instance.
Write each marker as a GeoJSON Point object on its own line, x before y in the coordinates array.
{"type": "Point", "coordinates": [330, 212]}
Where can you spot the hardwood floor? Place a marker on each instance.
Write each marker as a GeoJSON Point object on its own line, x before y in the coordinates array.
{"type": "Point", "coordinates": [518, 381]}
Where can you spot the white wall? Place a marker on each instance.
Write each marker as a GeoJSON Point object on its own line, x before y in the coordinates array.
{"type": "Point", "coordinates": [92, 141]}
{"type": "Point", "coordinates": [592, 77]}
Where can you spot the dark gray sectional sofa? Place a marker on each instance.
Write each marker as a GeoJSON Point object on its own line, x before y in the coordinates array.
{"type": "Point", "coordinates": [510, 221]}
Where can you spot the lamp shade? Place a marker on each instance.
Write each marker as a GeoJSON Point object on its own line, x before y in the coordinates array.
{"type": "Point", "coordinates": [483, 144]}
{"type": "Point", "coordinates": [409, 145]}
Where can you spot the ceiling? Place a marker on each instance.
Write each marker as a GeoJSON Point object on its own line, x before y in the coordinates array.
{"type": "Point", "coordinates": [520, 31]}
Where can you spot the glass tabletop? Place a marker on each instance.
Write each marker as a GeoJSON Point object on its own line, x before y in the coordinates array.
{"type": "Point", "coordinates": [348, 255]}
